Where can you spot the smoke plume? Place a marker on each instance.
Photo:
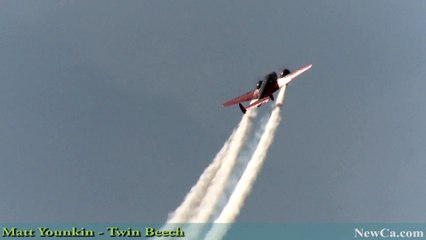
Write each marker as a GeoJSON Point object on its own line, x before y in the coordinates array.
{"type": "Point", "coordinates": [244, 186]}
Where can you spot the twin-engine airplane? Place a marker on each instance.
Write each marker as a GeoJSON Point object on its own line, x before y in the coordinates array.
{"type": "Point", "coordinates": [265, 89]}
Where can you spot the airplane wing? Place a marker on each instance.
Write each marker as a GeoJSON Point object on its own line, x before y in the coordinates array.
{"type": "Point", "coordinates": [254, 104]}
{"type": "Point", "coordinates": [245, 97]}
{"type": "Point", "coordinates": [283, 81]}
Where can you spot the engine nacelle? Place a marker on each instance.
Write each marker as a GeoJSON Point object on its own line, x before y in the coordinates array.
{"type": "Point", "coordinates": [284, 73]}
{"type": "Point", "coordinates": [258, 84]}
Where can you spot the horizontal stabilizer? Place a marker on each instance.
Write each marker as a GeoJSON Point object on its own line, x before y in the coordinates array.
{"type": "Point", "coordinates": [254, 104]}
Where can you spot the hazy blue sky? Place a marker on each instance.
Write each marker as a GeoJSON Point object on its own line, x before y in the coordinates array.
{"type": "Point", "coordinates": [110, 110]}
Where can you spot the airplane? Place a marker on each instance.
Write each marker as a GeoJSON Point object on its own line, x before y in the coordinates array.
{"type": "Point", "coordinates": [265, 89]}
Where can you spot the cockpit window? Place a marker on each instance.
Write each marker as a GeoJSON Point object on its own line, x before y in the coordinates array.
{"type": "Point", "coordinates": [258, 84]}
{"type": "Point", "coordinates": [271, 77]}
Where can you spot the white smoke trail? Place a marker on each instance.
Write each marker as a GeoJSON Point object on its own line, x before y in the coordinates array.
{"type": "Point", "coordinates": [243, 158]}
{"type": "Point", "coordinates": [194, 197]}
{"type": "Point", "coordinates": [219, 181]}
{"type": "Point", "coordinates": [243, 188]}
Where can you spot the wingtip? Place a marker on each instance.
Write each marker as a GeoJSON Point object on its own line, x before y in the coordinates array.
{"type": "Point", "coordinates": [307, 66]}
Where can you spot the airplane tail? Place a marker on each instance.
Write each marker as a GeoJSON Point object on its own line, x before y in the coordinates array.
{"type": "Point", "coordinates": [243, 109]}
